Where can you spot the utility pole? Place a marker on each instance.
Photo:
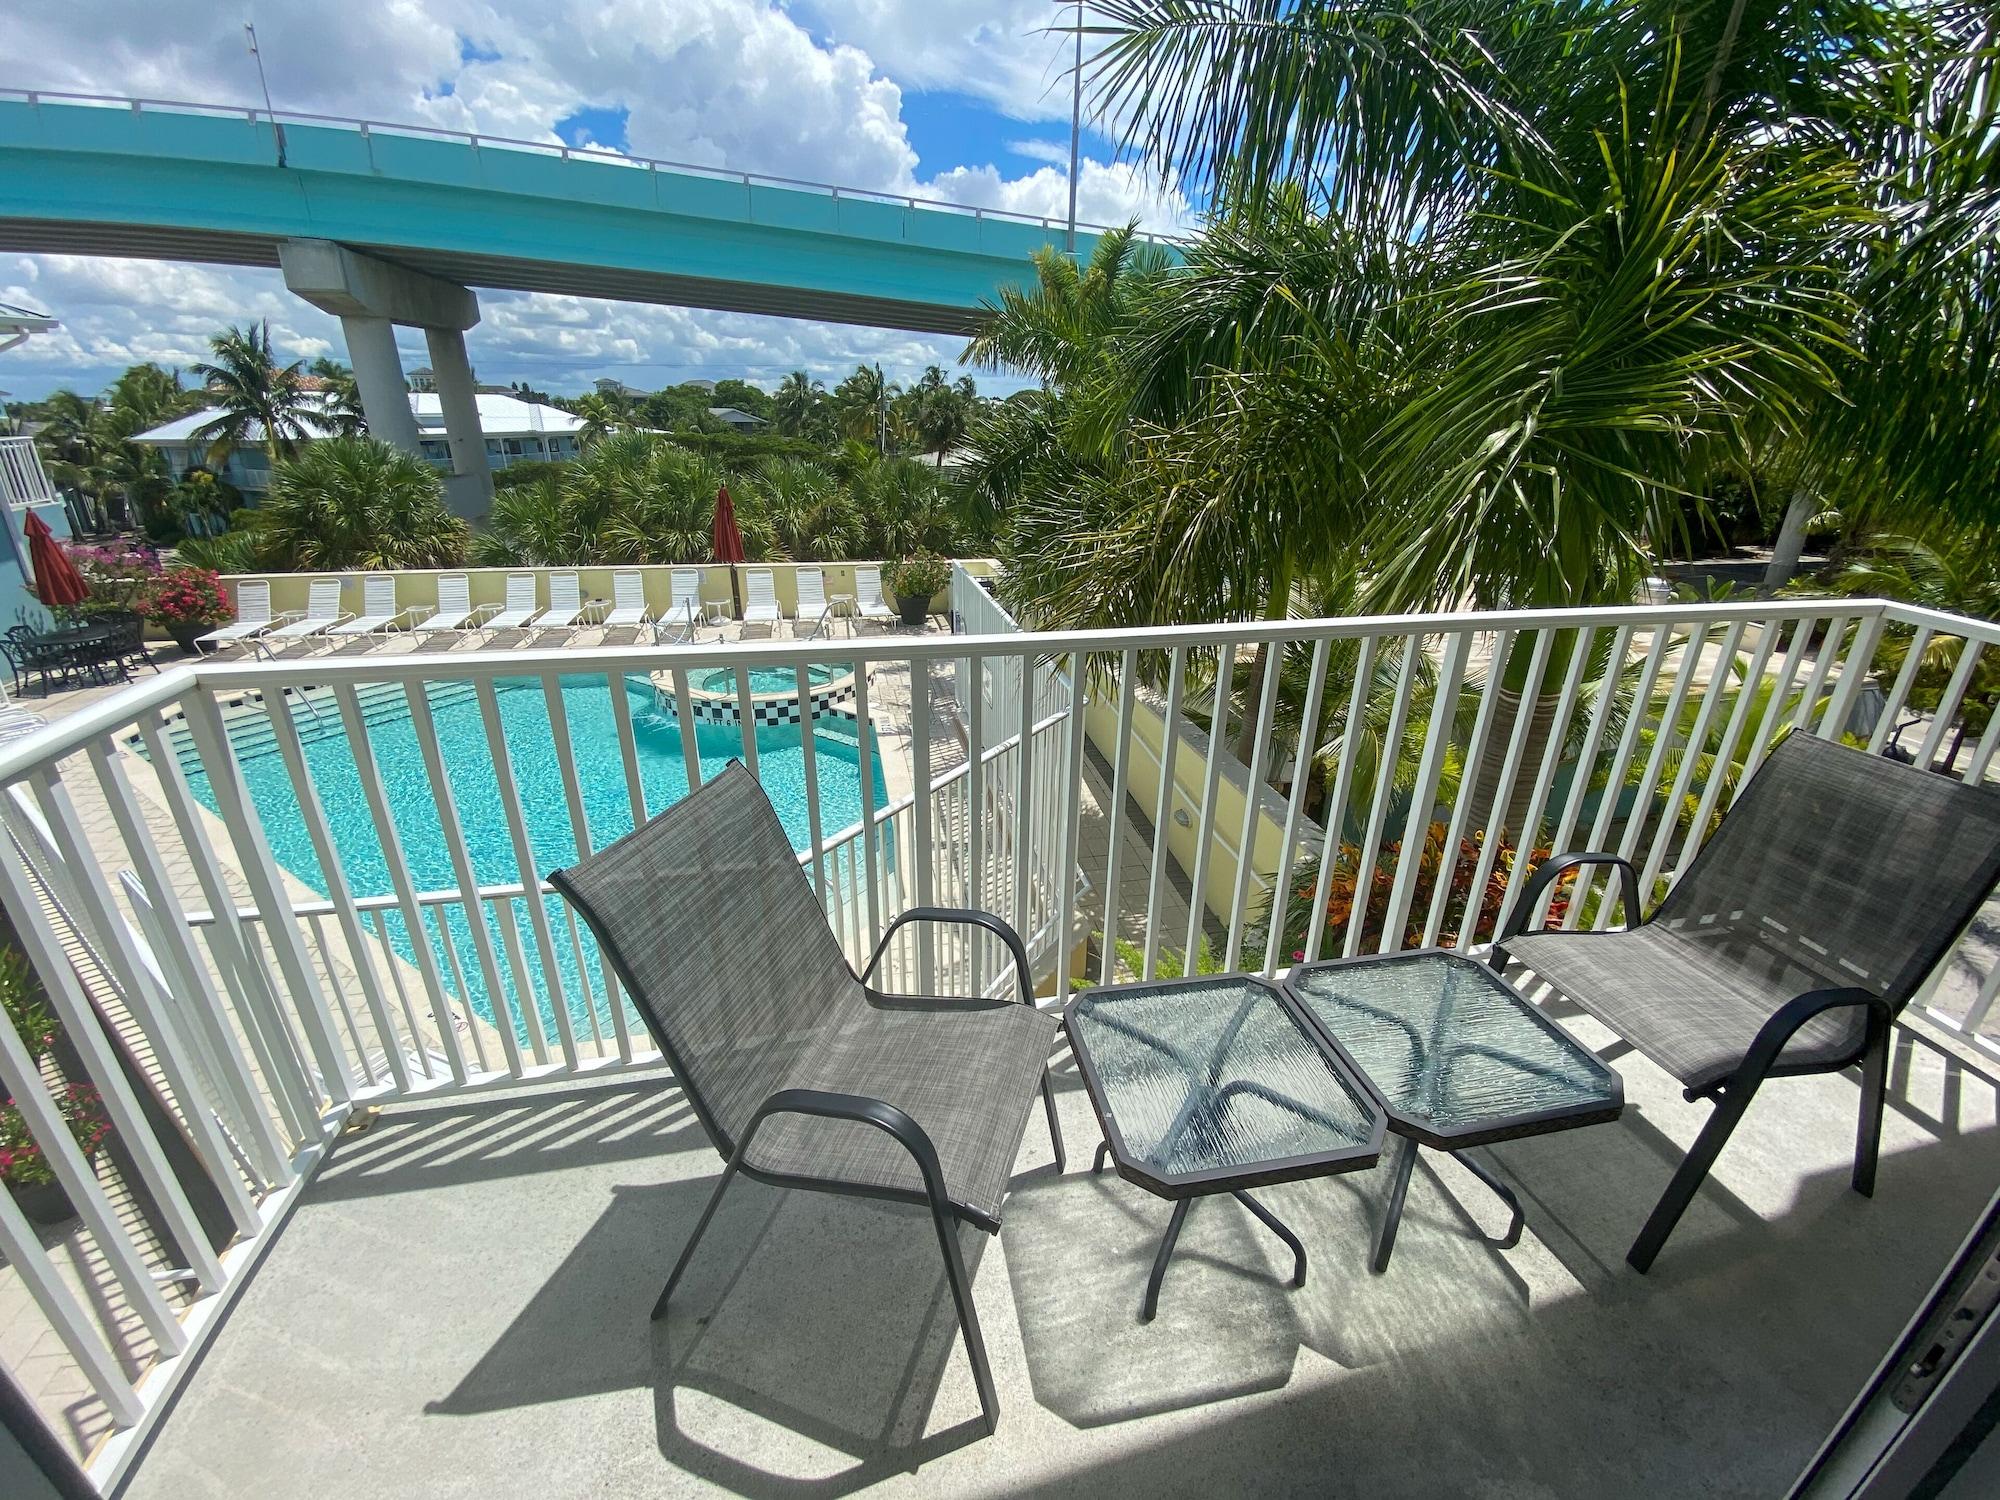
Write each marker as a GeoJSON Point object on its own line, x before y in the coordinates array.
{"type": "Point", "coordinates": [1075, 122]}
{"type": "Point", "coordinates": [250, 36]}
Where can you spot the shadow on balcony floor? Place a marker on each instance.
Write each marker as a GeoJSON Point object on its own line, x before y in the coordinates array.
{"type": "Point", "coordinates": [459, 1309]}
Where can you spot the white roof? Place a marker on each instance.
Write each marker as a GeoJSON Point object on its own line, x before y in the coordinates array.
{"type": "Point", "coordinates": [499, 416]}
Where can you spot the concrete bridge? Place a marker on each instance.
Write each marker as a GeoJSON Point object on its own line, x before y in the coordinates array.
{"type": "Point", "coordinates": [385, 224]}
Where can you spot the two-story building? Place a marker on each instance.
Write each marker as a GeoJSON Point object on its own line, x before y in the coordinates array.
{"type": "Point", "coordinates": [516, 431]}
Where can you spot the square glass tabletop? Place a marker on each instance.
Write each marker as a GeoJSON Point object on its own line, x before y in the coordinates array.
{"type": "Point", "coordinates": [1218, 1082]}
{"type": "Point", "coordinates": [1456, 1054]}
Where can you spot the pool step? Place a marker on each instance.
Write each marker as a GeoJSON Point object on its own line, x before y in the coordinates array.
{"type": "Point", "coordinates": [252, 735]}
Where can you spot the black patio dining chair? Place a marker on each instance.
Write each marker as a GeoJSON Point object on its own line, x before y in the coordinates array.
{"type": "Point", "coordinates": [800, 1072]}
{"type": "Point", "coordinates": [1835, 884]}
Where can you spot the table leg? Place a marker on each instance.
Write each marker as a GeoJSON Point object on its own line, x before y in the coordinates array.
{"type": "Point", "coordinates": [1152, 1302]}
{"type": "Point", "coordinates": [1506, 1196]}
{"type": "Point", "coordinates": [1399, 1187]}
{"type": "Point", "coordinates": [1272, 1222]}
{"type": "Point", "coordinates": [1103, 1151]}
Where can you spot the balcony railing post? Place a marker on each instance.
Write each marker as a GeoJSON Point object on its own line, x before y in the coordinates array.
{"type": "Point", "coordinates": [376, 796]}
{"type": "Point", "coordinates": [1423, 796]}
{"type": "Point", "coordinates": [1385, 781]}
{"type": "Point", "coordinates": [267, 890]}
{"type": "Point", "coordinates": [285, 734]}
{"type": "Point", "coordinates": [1473, 760]}
{"type": "Point", "coordinates": [1170, 739]}
{"type": "Point", "coordinates": [23, 1082]}
{"type": "Point", "coordinates": [1121, 783]}
{"type": "Point", "coordinates": [530, 877]}
{"type": "Point", "coordinates": [1302, 759]}
{"type": "Point", "coordinates": [118, 956]}
{"type": "Point", "coordinates": [1253, 787]}
{"type": "Point", "coordinates": [1211, 782]}
{"type": "Point", "coordinates": [229, 942]}
{"type": "Point", "coordinates": [1336, 802]}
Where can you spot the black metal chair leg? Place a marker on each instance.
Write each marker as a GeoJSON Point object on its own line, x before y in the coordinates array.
{"type": "Point", "coordinates": [1152, 1302]}
{"type": "Point", "coordinates": [1874, 1090]}
{"type": "Point", "coordinates": [1278, 1227]}
{"type": "Point", "coordinates": [1506, 1195]}
{"type": "Point", "coordinates": [1688, 1177]}
{"type": "Point", "coordinates": [1399, 1187]}
{"type": "Point", "coordinates": [687, 1250]}
{"type": "Point", "coordinates": [968, 1317]}
{"type": "Point", "coordinates": [1055, 1128]}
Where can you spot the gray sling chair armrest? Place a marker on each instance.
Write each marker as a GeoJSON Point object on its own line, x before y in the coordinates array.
{"type": "Point", "coordinates": [965, 916]}
{"type": "Point", "coordinates": [1733, 1095]}
{"type": "Point", "coordinates": [1005, 932]}
{"type": "Point", "coordinates": [910, 1135]}
{"type": "Point", "coordinates": [1550, 872]}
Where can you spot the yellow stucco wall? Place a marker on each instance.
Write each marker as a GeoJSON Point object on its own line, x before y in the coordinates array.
{"type": "Point", "coordinates": [489, 585]}
{"type": "Point", "coordinates": [1190, 781]}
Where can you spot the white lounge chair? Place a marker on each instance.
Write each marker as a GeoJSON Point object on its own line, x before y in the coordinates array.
{"type": "Point", "coordinates": [16, 723]}
{"type": "Point", "coordinates": [454, 613]}
{"type": "Point", "coordinates": [567, 607]}
{"type": "Point", "coordinates": [628, 603]}
{"type": "Point", "coordinates": [813, 610]}
{"type": "Point", "coordinates": [323, 612]}
{"type": "Point", "coordinates": [520, 609]}
{"type": "Point", "coordinates": [686, 601]}
{"type": "Point", "coordinates": [379, 612]}
{"type": "Point", "coordinates": [253, 617]}
{"type": "Point", "coordinates": [760, 602]}
{"type": "Point", "coordinates": [868, 601]}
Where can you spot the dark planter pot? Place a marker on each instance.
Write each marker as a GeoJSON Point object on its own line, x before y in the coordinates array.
{"type": "Point", "coordinates": [185, 637]}
{"type": "Point", "coordinates": [43, 1203]}
{"type": "Point", "coordinates": [914, 608]}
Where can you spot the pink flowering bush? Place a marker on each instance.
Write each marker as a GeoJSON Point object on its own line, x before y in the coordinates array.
{"type": "Point", "coordinates": [23, 1162]}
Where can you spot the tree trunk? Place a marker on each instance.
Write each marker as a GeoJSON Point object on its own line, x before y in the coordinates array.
{"type": "Point", "coordinates": [1790, 543]}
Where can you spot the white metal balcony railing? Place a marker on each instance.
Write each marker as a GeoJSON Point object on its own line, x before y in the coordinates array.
{"type": "Point", "coordinates": [263, 1019]}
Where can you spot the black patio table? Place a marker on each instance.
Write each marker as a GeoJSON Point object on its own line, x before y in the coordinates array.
{"type": "Point", "coordinates": [1459, 1058]}
{"type": "Point", "coordinates": [1218, 1084]}
{"type": "Point", "coordinates": [66, 649]}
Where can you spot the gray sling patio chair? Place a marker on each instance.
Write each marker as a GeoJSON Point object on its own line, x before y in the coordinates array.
{"type": "Point", "coordinates": [801, 1073]}
{"type": "Point", "coordinates": [1834, 886]}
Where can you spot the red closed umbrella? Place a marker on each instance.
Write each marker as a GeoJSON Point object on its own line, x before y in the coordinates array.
{"type": "Point", "coordinates": [726, 545]}
{"type": "Point", "coordinates": [56, 578]}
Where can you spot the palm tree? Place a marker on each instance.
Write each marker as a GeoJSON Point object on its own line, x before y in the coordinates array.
{"type": "Point", "coordinates": [358, 503]}
{"type": "Point", "coordinates": [256, 394]}
{"type": "Point", "coordinates": [601, 417]}
{"type": "Point", "coordinates": [797, 404]}
{"type": "Point", "coordinates": [341, 395]}
{"type": "Point", "coordinates": [939, 411]}
{"type": "Point", "coordinates": [862, 400]}
{"type": "Point", "coordinates": [812, 515]}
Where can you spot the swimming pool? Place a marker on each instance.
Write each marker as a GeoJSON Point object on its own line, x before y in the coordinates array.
{"type": "Point", "coordinates": [530, 738]}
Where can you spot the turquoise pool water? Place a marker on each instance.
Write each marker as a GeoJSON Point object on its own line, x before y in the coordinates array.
{"type": "Point", "coordinates": [531, 745]}
{"type": "Point", "coordinates": [770, 679]}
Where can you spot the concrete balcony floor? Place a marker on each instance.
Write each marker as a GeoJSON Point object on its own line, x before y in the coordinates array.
{"type": "Point", "coordinates": [459, 1308]}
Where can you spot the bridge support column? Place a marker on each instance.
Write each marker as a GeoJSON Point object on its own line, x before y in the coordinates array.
{"type": "Point", "coordinates": [470, 488]}
{"type": "Point", "coordinates": [378, 371]}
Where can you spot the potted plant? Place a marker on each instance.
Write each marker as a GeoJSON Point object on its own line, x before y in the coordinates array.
{"type": "Point", "coordinates": [915, 581]}
{"type": "Point", "coordinates": [24, 1166]}
{"type": "Point", "coordinates": [187, 603]}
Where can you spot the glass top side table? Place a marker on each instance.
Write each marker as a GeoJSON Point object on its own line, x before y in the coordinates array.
{"type": "Point", "coordinates": [1458, 1058]}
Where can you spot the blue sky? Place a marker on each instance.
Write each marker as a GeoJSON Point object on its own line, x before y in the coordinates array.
{"type": "Point", "coordinates": [962, 100]}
